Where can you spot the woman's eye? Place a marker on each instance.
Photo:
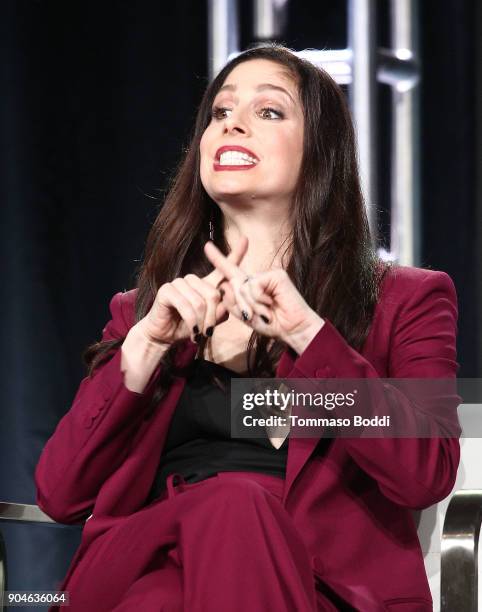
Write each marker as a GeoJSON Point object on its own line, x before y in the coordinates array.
{"type": "Point", "coordinates": [267, 113]}
{"type": "Point", "coordinates": [218, 112]}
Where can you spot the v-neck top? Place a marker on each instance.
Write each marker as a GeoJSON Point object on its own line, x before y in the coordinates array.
{"type": "Point", "coordinates": [199, 442]}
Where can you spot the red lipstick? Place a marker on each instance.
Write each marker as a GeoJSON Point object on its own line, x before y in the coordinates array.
{"type": "Point", "coordinates": [218, 167]}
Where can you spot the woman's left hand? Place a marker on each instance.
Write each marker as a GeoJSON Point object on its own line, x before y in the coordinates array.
{"type": "Point", "coordinates": [267, 301]}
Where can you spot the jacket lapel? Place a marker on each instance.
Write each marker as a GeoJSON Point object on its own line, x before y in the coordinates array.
{"type": "Point", "coordinates": [151, 438]}
{"type": "Point", "coordinates": [299, 449]}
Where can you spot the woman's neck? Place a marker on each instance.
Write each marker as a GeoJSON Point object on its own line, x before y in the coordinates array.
{"type": "Point", "coordinates": [267, 243]}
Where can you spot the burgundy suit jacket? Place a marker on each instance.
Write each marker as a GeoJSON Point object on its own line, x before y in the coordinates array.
{"type": "Point", "coordinates": [351, 503]}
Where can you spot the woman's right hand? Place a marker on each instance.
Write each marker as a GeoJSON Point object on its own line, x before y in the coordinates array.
{"type": "Point", "coordinates": [189, 306]}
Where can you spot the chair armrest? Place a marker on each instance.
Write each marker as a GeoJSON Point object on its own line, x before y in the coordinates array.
{"type": "Point", "coordinates": [460, 547]}
{"type": "Point", "coordinates": [23, 513]}
{"type": "Point", "coordinates": [20, 513]}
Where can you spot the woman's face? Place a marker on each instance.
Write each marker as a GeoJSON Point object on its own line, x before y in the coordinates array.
{"type": "Point", "coordinates": [253, 145]}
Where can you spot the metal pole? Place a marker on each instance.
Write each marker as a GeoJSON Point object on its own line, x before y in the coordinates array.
{"type": "Point", "coordinates": [362, 42]}
{"type": "Point", "coordinates": [405, 241]}
{"type": "Point", "coordinates": [269, 18]}
{"type": "Point", "coordinates": [223, 34]}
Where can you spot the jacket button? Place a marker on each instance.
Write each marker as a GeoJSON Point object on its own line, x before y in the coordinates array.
{"type": "Point", "coordinates": [106, 393]}
{"type": "Point", "coordinates": [96, 408]}
{"type": "Point", "coordinates": [88, 420]}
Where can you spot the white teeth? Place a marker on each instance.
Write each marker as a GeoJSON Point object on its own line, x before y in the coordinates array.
{"type": "Point", "coordinates": [236, 158]}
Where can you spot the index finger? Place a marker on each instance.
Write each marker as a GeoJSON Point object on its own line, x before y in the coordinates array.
{"type": "Point", "coordinates": [225, 267]}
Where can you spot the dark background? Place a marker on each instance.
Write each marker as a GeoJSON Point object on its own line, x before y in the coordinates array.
{"type": "Point", "coordinates": [97, 101]}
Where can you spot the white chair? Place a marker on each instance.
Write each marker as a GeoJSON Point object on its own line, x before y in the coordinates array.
{"type": "Point", "coordinates": [449, 535]}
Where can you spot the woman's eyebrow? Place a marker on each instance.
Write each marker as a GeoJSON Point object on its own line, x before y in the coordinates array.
{"type": "Point", "coordinates": [264, 86]}
{"type": "Point", "coordinates": [261, 87]}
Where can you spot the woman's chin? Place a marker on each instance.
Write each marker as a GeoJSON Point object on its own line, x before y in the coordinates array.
{"type": "Point", "coordinates": [234, 196]}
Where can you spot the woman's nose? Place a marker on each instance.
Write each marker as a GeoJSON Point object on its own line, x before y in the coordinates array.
{"type": "Point", "coordinates": [234, 124]}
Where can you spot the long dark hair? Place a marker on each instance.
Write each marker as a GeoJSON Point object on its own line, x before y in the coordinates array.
{"type": "Point", "coordinates": [333, 263]}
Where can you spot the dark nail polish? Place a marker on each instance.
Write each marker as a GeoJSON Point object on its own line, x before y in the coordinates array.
{"type": "Point", "coordinates": [198, 338]}
{"type": "Point", "coordinates": [195, 329]}
{"type": "Point", "coordinates": [245, 315]}
{"type": "Point", "coordinates": [210, 330]}
{"type": "Point", "coordinates": [265, 319]}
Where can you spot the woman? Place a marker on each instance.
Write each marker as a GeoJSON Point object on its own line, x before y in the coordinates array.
{"type": "Point", "coordinates": [182, 515]}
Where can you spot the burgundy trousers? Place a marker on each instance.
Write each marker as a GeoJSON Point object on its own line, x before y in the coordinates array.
{"type": "Point", "coordinates": [225, 544]}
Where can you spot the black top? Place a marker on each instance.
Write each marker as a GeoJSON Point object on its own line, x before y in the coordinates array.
{"type": "Point", "coordinates": [199, 443]}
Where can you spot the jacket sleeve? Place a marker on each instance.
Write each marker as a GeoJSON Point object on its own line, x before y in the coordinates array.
{"type": "Point", "coordinates": [93, 437]}
{"type": "Point", "coordinates": [413, 472]}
